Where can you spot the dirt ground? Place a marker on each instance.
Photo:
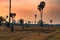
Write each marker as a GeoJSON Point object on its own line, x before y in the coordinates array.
{"type": "Point", "coordinates": [29, 33]}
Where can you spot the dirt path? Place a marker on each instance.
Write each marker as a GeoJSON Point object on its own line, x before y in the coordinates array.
{"type": "Point", "coordinates": [28, 35]}
{"type": "Point", "coordinates": [23, 35]}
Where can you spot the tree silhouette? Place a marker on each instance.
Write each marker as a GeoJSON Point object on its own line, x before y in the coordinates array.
{"type": "Point", "coordinates": [41, 5]}
{"type": "Point", "coordinates": [51, 21]}
{"type": "Point", "coordinates": [12, 15]}
{"type": "Point", "coordinates": [40, 8]}
{"type": "Point", "coordinates": [2, 19]}
{"type": "Point", "coordinates": [29, 22]}
{"type": "Point", "coordinates": [22, 23]}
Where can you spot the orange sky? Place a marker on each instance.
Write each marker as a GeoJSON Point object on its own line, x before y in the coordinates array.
{"type": "Point", "coordinates": [26, 9]}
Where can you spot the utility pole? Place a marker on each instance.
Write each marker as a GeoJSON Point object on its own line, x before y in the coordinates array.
{"type": "Point", "coordinates": [35, 18]}
{"type": "Point", "coordinates": [9, 12]}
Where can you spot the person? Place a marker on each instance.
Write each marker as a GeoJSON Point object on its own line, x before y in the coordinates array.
{"type": "Point", "coordinates": [12, 26]}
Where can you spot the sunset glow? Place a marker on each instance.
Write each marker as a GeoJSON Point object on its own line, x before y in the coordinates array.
{"type": "Point", "coordinates": [26, 9]}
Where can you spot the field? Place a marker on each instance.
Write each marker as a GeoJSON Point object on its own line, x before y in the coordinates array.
{"type": "Point", "coordinates": [30, 33]}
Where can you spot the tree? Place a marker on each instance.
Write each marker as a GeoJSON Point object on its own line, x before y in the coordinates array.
{"type": "Point", "coordinates": [29, 22]}
{"type": "Point", "coordinates": [22, 23]}
{"type": "Point", "coordinates": [12, 15]}
{"type": "Point", "coordinates": [41, 5]}
{"type": "Point", "coordinates": [40, 8]}
{"type": "Point", "coordinates": [51, 21]}
{"type": "Point", "coordinates": [2, 19]}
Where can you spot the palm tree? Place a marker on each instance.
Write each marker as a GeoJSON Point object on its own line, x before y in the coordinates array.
{"type": "Point", "coordinates": [41, 5]}
{"type": "Point", "coordinates": [13, 15]}
{"type": "Point", "coordinates": [40, 8]}
{"type": "Point", "coordinates": [35, 18]}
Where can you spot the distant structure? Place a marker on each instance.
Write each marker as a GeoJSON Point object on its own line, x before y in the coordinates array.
{"type": "Point", "coordinates": [9, 12]}
{"type": "Point", "coordinates": [51, 21]}
{"type": "Point", "coordinates": [35, 18]}
{"type": "Point", "coordinates": [40, 8]}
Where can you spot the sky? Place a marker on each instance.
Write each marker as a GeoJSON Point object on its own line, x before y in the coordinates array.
{"type": "Point", "coordinates": [26, 9]}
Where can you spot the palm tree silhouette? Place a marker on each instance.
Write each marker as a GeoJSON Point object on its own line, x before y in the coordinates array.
{"type": "Point", "coordinates": [40, 8]}
{"type": "Point", "coordinates": [13, 15]}
{"type": "Point", "coordinates": [35, 18]}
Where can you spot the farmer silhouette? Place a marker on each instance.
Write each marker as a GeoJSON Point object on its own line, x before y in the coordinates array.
{"type": "Point", "coordinates": [12, 26]}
